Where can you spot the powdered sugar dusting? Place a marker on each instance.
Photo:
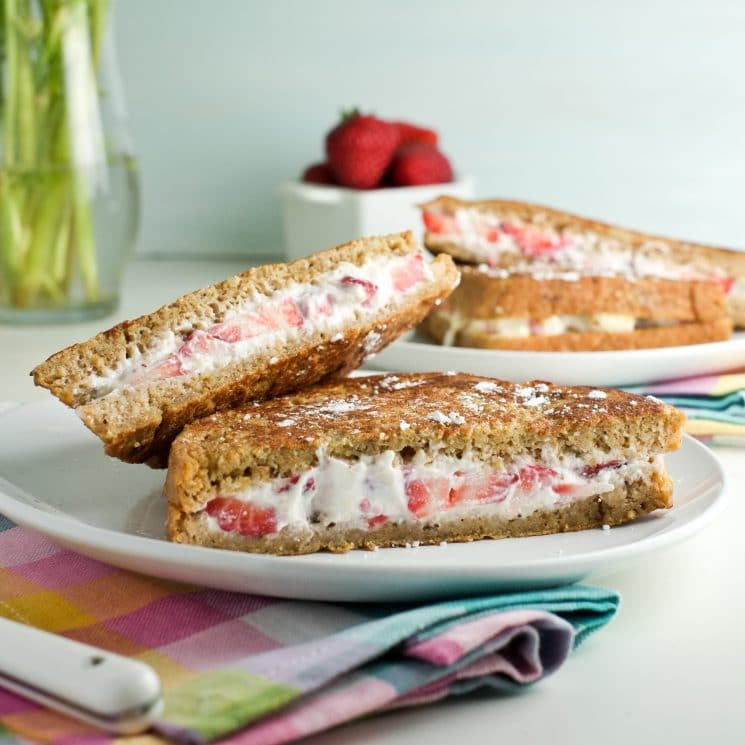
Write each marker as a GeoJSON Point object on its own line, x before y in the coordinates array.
{"type": "Point", "coordinates": [597, 394]}
{"type": "Point", "coordinates": [452, 418]}
{"type": "Point", "coordinates": [486, 387]}
{"type": "Point", "coordinates": [372, 341]}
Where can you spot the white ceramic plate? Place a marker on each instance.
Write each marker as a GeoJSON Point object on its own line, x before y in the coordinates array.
{"type": "Point", "coordinates": [414, 353]}
{"type": "Point", "coordinates": [55, 479]}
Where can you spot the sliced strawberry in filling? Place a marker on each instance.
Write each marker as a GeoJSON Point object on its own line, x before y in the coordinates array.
{"type": "Point", "coordinates": [257, 521]}
{"type": "Point", "coordinates": [485, 488]}
{"type": "Point", "coordinates": [489, 234]}
{"type": "Point", "coordinates": [199, 342]}
{"type": "Point", "coordinates": [290, 313]}
{"type": "Point", "coordinates": [443, 224]}
{"type": "Point", "coordinates": [427, 496]}
{"type": "Point", "coordinates": [226, 511]}
{"type": "Point", "coordinates": [531, 240]}
{"type": "Point", "coordinates": [369, 287]}
{"type": "Point", "coordinates": [247, 519]}
{"type": "Point", "coordinates": [726, 283]}
{"type": "Point", "coordinates": [594, 470]}
{"type": "Point", "coordinates": [409, 273]}
{"type": "Point", "coordinates": [168, 367]}
{"type": "Point", "coordinates": [373, 517]}
{"type": "Point", "coordinates": [535, 476]}
{"type": "Point", "coordinates": [285, 487]}
{"type": "Point", "coordinates": [270, 317]}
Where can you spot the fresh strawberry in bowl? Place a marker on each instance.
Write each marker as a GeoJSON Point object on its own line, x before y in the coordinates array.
{"type": "Point", "coordinates": [374, 173]}
{"type": "Point", "coordinates": [360, 149]}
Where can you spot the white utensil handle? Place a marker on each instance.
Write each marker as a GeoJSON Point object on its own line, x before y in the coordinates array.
{"type": "Point", "coordinates": [104, 689]}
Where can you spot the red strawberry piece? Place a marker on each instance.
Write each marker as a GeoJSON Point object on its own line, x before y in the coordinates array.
{"type": "Point", "coordinates": [310, 484]}
{"type": "Point", "coordinates": [590, 471]}
{"type": "Point", "coordinates": [535, 475]}
{"type": "Point", "coordinates": [285, 487]}
{"type": "Point", "coordinates": [369, 288]}
{"type": "Point", "coordinates": [290, 313]}
{"type": "Point", "coordinates": [486, 488]}
{"type": "Point", "coordinates": [267, 318]}
{"type": "Point", "coordinates": [564, 489]}
{"type": "Point", "coordinates": [409, 133]}
{"type": "Point", "coordinates": [318, 173]}
{"type": "Point", "coordinates": [531, 240]}
{"type": "Point", "coordinates": [491, 235]}
{"type": "Point", "coordinates": [360, 150]}
{"type": "Point", "coordinates": [229, 331]}
{"type": "Point", "coordinates": [226, 511]}
{"type": "Point", "coordinates": [443, 224]}
{"type": "Point", "coordinates": [372, 517]}
{"type": "Point", "coordinates": [417, 164]}
{"type": "Point", "coordinates": [376, 520]}
{"type": "Point", "coordinates": [427, 496]}
{"type": "Point", "coordinates": [199, 342]}
{"type": "Point", "coordinates": [168, 367]}
{"type": "Point", "coordinates": [417, 497]}
{"type": "Point", "coordinates": [256, 521]}
{"type": "Point", "coordinates": [726, 283]}
{"type": "Point", "coordinates": [408, 273]}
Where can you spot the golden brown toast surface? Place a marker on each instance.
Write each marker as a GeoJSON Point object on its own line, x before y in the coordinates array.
{"type": "Point", "coordinates": [371, 414]}
{"type": "Point", "coordinates": [483, 295]}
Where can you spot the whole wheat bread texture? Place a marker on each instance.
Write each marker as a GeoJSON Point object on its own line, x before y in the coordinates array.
{"type": "Point", "coordinates": [137, 424]}
{"type": "Point", "coordinates": [696, 256]}
{"type": "Point", "coordinates": [692, 312]}
{"type": "Point", "coordinates": [441, 327]}
{"type": "Point", "coordinates": [495, 420]}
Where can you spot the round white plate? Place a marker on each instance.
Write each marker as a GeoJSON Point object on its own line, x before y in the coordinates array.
{"type": "Point", "coordinates": [414, 353]}
{"type": "Point", "coordinates": [55, 479]}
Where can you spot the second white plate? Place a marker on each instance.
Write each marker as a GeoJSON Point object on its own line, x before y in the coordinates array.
{"type": "Point", "coordinates": [414, 353]}
{"type": "Point", "coordinates": [55, 479]}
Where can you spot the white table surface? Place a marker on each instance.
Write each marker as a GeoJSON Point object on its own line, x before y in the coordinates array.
{"type": "Point", "coordinates": [668, 669]}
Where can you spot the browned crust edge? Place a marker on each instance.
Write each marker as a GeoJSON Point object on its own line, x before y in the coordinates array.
{"type": "Point", "coordinates": [481, 295]}
{"type": "Point", "coordinates": [625, 503]}
{"type": "Point", "coordinates": [680, 334]}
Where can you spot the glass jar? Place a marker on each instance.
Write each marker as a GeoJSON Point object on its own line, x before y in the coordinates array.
{"type": "Point", "coordinates": [68, 182]}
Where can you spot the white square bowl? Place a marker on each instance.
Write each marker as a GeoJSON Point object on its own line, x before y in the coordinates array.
{"type": "Point", "coordinates": [316, 216]}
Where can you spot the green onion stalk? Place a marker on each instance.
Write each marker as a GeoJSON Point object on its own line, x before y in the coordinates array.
{"type": "Point", "coordinates": [50, 52]}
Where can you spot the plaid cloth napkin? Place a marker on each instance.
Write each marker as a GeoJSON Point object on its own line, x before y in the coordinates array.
{"type": "Point", "coordinates": [257, 670]}
{"type": "Point", "coordinates": [714, 404]}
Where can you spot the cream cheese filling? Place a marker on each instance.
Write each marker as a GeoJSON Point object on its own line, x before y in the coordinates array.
{"type": "Point", "coordinates": [550, 253]}
{"type": "Point", "coordinates": [520, 327]}
{"type": "Point", "coordinates": [346, 294]}
{"type": "Point", "coordinates": [376, 490]}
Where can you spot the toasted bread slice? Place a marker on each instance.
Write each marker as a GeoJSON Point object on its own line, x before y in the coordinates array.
{"type": "Point", "coordinates": [440, 326]}
{"type": "Point", "coordinates": [390, 460]}
{"type": "Point", "coordinates": [497, 310]}
{"type": "Point", "coordinates": [270, 330]}
{"type": "Point", "coordinates": [531, 239]}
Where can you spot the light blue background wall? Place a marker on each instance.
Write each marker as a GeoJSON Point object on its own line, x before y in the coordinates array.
{"type": "Point", "coordinates": [632, 111]}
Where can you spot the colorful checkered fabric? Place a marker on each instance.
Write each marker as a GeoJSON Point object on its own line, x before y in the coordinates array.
{"type": "Point", "coordinates": [257, 670]}
{"type": "Point", "coordinates": [714, 405]}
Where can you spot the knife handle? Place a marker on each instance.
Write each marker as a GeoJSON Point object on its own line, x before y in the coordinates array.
{"type": "Point", "coordinates": [106, 690]}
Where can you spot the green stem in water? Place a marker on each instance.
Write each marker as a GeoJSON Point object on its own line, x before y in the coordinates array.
{"type": "Point", "coordinates": [82, 219]}
{"type": "Point", "coordinates": [46, 223]}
